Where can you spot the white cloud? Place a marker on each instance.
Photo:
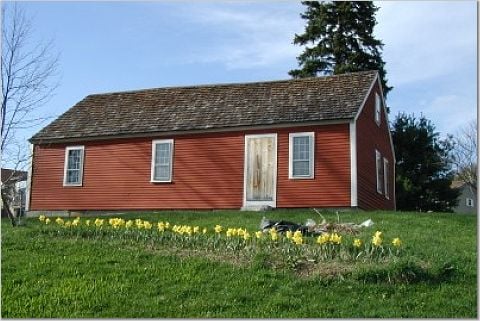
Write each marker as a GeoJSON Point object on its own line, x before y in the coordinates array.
{"type": "Point", "coordinates": [249, 38]}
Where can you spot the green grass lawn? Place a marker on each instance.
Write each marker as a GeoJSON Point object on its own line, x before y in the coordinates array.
{"type": "Point", "coordinates": [46, 276]}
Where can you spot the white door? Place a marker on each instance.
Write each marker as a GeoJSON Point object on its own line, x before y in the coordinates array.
{"type": "Point", "coordinates": [260, 170]}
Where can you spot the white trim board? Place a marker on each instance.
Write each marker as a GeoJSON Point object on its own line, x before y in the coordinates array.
{"type": "Point", "coordinates": [82, 162]}
{"type": "Point", "coordinates": [291, 136]}
{"type": "Point", "coordinates": [28, 194]}
{"type": "Point", "coordinates": [152, 164]}
{"type": "Point", "coordinates": [353, 165]}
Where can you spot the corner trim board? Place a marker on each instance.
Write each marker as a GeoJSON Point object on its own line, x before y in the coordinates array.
{"type": "Point", "coordinates": [29, 179]}
{"type": "Point", "coordinates": [353, 165]}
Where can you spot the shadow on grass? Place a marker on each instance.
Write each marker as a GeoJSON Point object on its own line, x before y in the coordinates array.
{"type": "Point", "coordinates": [408, 271]}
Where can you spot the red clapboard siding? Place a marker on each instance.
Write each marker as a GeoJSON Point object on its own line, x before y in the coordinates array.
{"type": "Point", "coordinates": [331, 185]}
{"type": "Point", "coordinates": [370, 136]}
{"type": "Point", "coordinates": [207, 173]}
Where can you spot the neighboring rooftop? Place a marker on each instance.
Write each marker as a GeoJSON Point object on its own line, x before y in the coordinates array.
{"type": "Point", "coordinates": [211, 107]}
{"type": "Point", "coordinates": [12, 176]}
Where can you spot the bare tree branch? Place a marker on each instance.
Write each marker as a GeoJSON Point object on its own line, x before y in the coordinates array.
{"type": "Point", "coordinates": [466, 152]}
{"type": "Point", "coordinates": [28, 81]}
{"type": "Point", "coordinates": [28, 71]}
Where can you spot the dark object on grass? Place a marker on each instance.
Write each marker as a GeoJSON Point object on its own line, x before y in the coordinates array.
{"type": "Point", "coordinates": [283, 226]}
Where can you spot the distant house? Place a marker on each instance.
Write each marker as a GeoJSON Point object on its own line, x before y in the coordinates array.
{"type": "Point", "coordinates": [316, 142]}
{"type": "Point", "coordinates": [467, 201]}
{"type": "Point", "coordinates": [14, 183]}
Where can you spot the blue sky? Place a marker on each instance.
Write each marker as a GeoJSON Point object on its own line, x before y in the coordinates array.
{"type": "Point", "coordinates": [430, 49]}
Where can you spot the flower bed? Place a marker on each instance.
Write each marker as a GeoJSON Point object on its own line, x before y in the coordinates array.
{"type": "Point", "coordinates": [293, 246]}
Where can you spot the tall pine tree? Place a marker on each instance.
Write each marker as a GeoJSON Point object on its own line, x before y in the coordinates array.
{"type": "Point", "coordinates": [338, 38]}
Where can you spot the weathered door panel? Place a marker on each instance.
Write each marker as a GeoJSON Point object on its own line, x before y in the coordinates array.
{"type": "Point", "coordinates": [260, 175]}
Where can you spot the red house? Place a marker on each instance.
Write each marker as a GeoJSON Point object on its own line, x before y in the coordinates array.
{"type": "Point", "coordinates": [316, 142]}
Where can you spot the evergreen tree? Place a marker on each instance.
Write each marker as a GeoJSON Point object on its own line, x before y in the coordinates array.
{"type": "Point", "coordinates": [424, 166]}
{"type": "Point", "coordinates": [338, 38]}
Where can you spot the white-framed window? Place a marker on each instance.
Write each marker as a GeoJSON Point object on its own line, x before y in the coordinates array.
{"type": "Point", "coordinates": [162, 155]}
{"type": "Point", "coordinates": [469, 202]}
{"type": "Point", "coordinates": [73, 168]}
{"type": "Point", "coordinates": [301, 155]}
{"type": "Point", "coordinates": [379, 171]}
{"type": "Point", "coordinates": [378, 109]}
{"type": "Point", "coordinates": [385, 178]}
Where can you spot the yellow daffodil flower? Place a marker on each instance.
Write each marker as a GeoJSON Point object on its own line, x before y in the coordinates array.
{"type": "Point", "coordinates": [357, 243]}
{"type": "Point", "coordinates": [297, 234]}
{"type": "Point", "coordinates": [335, 238]}
{"type": "Point", "coordinates": [147, 225]}
{"type": "Point", "coordinates": [68, 223]}
{"type": "Point", "coordinates": [297, 239]}
{"type": "Point", "coordinates": [204, 231]}
{"type": "Point", "coordinates": [98, 222]}
{"type": "Point", "coordinates": [87, 222]}
{"type": "Point", "coordinates": [324, 238]}
{"type": "Point", "coordinates": [47, 221]}
{"type": "Point", "coordinates": [139, 223]}
{"type": "Point", "coordinates": [59, 221]}
{"type": "Point", "coordinates": [259, 234]}
{"type": "Point", "coordinates": [41, 218]}
{"type": "Point", "coordinates": [129, 224]}
{"type": "Point", "coordinates": [397, 242]}
{"type": "Point", "coordinates": [273, 234]}
{"type": "Point", "coordinates": [161, 226]}
{"type": "Point", "coordinates": [196, 229]}
{"type": "Point", "coordinates": [218, 229]}
{"type": "Point", "coordinates": [377, 241]}
{"type": "Point", "coordinates": [75, 222]}
{"type": "Point", "coordinates": [246, 235]}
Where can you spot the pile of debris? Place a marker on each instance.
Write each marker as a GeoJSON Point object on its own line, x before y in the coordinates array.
{"type": "Point", "coordinates": [311, 228]}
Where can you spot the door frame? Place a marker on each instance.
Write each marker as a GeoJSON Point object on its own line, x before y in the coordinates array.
{"type": "Point", "coordinates": [273, 202]}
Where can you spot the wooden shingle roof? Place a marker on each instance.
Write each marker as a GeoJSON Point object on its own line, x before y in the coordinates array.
{"type": "Point", "coordinates": [209, 107]}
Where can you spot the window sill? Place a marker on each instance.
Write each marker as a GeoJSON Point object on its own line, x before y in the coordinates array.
{"type": "Point", "coordinates": [301, 177]}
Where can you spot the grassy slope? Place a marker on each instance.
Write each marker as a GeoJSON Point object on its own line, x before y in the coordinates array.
{"type": "Point", "coordinates": [65, 277]}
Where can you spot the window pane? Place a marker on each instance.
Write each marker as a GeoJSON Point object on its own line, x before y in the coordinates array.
{"type": "Point", "coordinates": [301, 168]}
{"type": "Point", "coordinates": [74, 156]}
{"type": "Point", "coordinates": [378, 105]}
{"type": "Point", "coordinates": [301, 155]}
{"type": "Point", "coordinates": [73, 172]}
{"type": "Point", "coordinates": [73, 176]}
{"type": "Point", "coordinates": [301, 148]}
{"type": "Point", "coordinates": [163, 157]}
{"type": "Point", "coordinates": [379, 171]}
{"type": "Point", "coordinates": [385, 177]}
{"type": "Point", "coordinates": [162, 154]}
{"type": "Point", "coordinates": [162, 172]}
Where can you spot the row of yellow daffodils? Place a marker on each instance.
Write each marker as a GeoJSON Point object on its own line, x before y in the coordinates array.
{"type": "Point", "coordinates": [187, 230]}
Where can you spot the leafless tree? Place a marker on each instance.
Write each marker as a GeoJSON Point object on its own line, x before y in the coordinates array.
{"type": "Point", "coordinates": [29, 73]}
{"type": "Point", "coordinates": [466, 152]}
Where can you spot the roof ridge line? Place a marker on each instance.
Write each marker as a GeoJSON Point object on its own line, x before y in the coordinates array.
{"type": "Point", "coordinates": [233, 83]}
